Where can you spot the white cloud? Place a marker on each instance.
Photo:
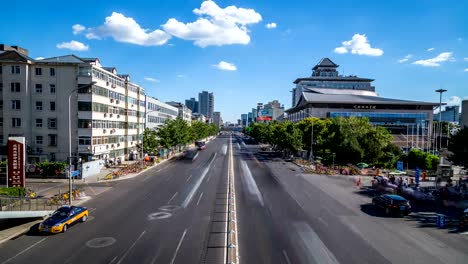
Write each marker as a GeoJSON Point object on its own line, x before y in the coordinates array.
{"type": "Point", "coordinates": [225, 66]}
{"type": "Point", "coordinates": [454, 100]}
{"type": "Point", "coordinates": [127, 30]}
{"type": "Point", "coordinates": [150, 79]}
{"type": "Point", "coordinates": [181, 76]}
{"type": "Point", "coordinates": [271, 25]}
{"type": "Point", "coordinates": [430, 49]}
{"type": "Point", "coordinates": [216, 26]}
{"type": "Point", "coordinates": [465, 59]}
{"type": "Point", "coordinates": [460, 39]}
{"type": "Point", "coordinates": [405, 59]}
{"type": "Point", "coordinates": [39, 58]}
{"type": "Point", "coordinates": [73, 45]}
{"type": "Point", "coordinates": [466, 70]}
{"type": "Point", "coordinates": [358, 45]}
{"type": "Point", "coordinates": [77, 29]}
{"type": "Point", "coordinates": [435, 62]}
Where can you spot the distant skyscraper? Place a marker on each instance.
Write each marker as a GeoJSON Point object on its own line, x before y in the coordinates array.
{"type": "Point", "coordinates": [206, 103]}
{"type": "Point", "coordinates": [217, 120]}
{"type": "Point", "coordinates": [192, 104]}
{"type": "Point", "coordinates": [464, 114]}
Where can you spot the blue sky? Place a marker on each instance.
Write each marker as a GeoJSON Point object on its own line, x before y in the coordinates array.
{"type": "Point", "coordinates": [251, 51]}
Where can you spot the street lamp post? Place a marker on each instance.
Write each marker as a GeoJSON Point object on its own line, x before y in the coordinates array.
{"type": "Point", "coordinates": [333, 154]}
{"type": "Point", "coordinates": [311, 138]}
{"type": "Point", "coordinates": [70, 187]}
{"type": "Point", "coordinates": [440, 91]}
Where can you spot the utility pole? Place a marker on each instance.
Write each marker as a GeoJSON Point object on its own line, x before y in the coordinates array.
{"type": "Point", "coordinates": [440, 91]}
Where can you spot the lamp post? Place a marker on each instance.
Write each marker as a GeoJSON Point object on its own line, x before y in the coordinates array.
{"type": "Point", "coordinates": [311, 138]}
{"type": "Point", "coordinates": [333, 154]}
{"type": "Point", "coordinates": [440, 91]}
{"type": "Point", "coordinates": [70, 187]}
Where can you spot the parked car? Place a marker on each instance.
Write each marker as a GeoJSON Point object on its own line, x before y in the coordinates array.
{"type": "Point", "coordinates": [63, 218]}
{"type": "Point", "coordinates": [392, 204]}
{"type": "Point", "coordinates": [200, 145]}
{"type": "Point", "coordinates": [463, 224]}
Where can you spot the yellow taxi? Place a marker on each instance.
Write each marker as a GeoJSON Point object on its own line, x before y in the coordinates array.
{"type": "Point", "coordinates": [63, 218]}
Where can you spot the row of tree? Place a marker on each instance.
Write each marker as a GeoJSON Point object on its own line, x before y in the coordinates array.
{"type": "Point", "coordinates": [175, 132]}
{"type": "Point", "coordinates": [347, 140]}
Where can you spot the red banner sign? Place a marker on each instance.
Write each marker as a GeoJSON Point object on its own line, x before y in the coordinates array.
{"type": "Point", "coordinates": [16, 162]}
{"type": "Point", "coordinates": [264, 118]}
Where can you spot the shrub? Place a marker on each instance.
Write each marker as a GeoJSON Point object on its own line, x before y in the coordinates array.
{"type": "Point", "coordinates": [13, 191]}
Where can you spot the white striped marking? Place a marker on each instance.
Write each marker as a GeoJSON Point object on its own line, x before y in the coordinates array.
{"type": "Point", "coordinates": [250, 182]}
{"type": "Point", "coordinates": [313, 248]}
{"type": "Point", "coordinates": [286, 257]}
{"type": "Point", "coordinates": [130, 248]}
{"type": "Point", "coordinates": [172, 198]}
{"type": "Point", "coordinates": [24, 250]}
{"type": "Point", "coordinates": [178, 246]}
{"type": "Point", "coordinates": [197, 184]}
{"type": "Point", "coordinates": [189, 178]}
{"type": "Point", "coordinates": [199, 199]}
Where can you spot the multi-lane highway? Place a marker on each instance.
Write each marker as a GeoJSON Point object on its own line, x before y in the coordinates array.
{"type": "Point", "coordinates": [175, 212]}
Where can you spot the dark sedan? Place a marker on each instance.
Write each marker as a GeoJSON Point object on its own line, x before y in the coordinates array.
{"type": "Point", "coordinates": [392, 204]}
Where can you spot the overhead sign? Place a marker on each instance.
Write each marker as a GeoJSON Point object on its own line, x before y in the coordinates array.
{"type": "Point", "coordinates": [16, 162]}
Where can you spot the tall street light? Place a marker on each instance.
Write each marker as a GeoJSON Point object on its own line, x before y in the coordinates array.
{"type": "Point", "coordinates": [311, 138]}
{"type": "Point", "coordinates": [440, 91]}
{"type": "Point", "coordinates": [70, 139]}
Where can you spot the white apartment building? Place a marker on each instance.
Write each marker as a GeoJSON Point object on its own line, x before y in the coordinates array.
{"type": "Point", "coordinates": [184, 112]}
{"type": "Point", "coordinates": [158, 112]}
{"type": "Point", "coordinates": [107, 110]}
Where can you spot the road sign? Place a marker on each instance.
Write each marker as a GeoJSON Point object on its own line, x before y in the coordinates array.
{"type": "Point", "coordinates": [417, 175]}
{"type": "Point", "coordinates": [400, 165]}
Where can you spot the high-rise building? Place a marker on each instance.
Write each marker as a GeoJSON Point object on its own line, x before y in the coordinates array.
{"type": "Point", "coordinates": [217, 120]}
{"type": "Point", "coordinates": [193, 105]}
{"type": "Point", "coordinates": [158, 112]}
{"type": "Point", "coordinates": [244, 119]}
{"type": "Point", "coordinates": [206, 104]}
{"type": "Point", "coordinates": [106, 109]}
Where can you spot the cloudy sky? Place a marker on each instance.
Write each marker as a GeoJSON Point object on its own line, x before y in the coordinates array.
{"type": "Point", "coordinates": [251, 51]}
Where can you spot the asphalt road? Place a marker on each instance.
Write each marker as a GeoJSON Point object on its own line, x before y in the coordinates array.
{"type": "Point", "coordinates": [171, 215]}
{"type": "Point", "coordinates": [162, 216]}
{"type": "Point", "coordinates": [286, 216]}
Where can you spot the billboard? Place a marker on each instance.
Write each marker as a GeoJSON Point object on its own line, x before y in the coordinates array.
{"type": "Point", "coordinates": [264, 118]}
{"type": "Point", "coordinates": [265, 115]}
{"type": "Point", "coordinates": [16, 162]}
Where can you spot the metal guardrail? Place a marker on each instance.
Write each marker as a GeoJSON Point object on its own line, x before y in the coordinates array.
{"type": "Point", "coordinates": [10, 203]}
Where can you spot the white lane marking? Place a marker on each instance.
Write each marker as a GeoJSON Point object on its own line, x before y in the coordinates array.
{"type": "Point", "coordinates": [251, 185]}
{"type": "Point", "coordinates": [196, 156]}
{"type": "Point", "coordinates": [178, 246]}
{"type": "Point", "coordinates": [146, 178]}
{"type": "Point", "coordinates": [173, 196]}
{"type": "Point", "coordinates": [197, 184]}
{"type": "Point", "coordinates": [464, 233]}
{"type": "Point", "coordinates": [313, 248]}
{"type": "Point", "coordinates": [322, 221]}
{"type": "Point", "coordinates": [156, 256]}
{"type": "Point", "coordinates": [24, 250]}
{"type": "Point", "coordinates": [224, 149]}
{"type": "Point", "coordinates": [238, 146]}
{"type": "Point", "coordinates": [189, 178]}
{"type": "Point", "coordinates": [168, 178]}
{"type": "Point", "coordinates": [113, 260]}
{"type": "Point", "coordinates": [130, 248]}
{"type": "Point", "coordinates": [286, 257]}
{"type": "Point", "coordinates": [208, 179]}
{"type": "Point", "coordinates": [199, 199]}
{"type": "Point", "coordinates": [233, 183]}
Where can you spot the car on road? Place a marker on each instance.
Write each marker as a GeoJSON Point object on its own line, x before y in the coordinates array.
{"type": "Point", "coordinates": [63, 218]}
{"type": "Point", "coordinates": [200, 145]}
{"type": "Point", "coordinates": [392, 204]}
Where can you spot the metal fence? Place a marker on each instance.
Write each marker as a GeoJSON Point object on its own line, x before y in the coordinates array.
{"type": "Point", "coordinates": [9, 203]}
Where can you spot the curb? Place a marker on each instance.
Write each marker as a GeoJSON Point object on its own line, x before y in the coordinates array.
{"type": "Point", "coordinates": [22, 229]}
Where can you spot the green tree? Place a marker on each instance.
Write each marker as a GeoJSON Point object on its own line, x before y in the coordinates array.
{"type": "Point", "coordinates": [458, 146]}
{"type": "Point", "coordinates": [150, 141]}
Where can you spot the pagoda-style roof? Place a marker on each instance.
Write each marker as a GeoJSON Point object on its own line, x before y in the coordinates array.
{"type": "Point", "coordinates": [326, 62]}
{"type": "Point", "coordinates": [338, 79]}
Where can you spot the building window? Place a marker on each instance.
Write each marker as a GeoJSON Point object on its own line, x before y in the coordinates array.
{"type": "Point", "coordinates": [52, 88]}
{"type": "Point", "coordinates": [1, 121]}
{"type": "Point", "coordinates": [52, 106]}
{"type": "Point", "coordinates": [52, 123]}
{"type": "Point", "coordinates": [1, 140]}
{"type": "Point", "coordinates": [1, 85]}
{"type": "Point", "coordinates": [52, 156]}
{"type": "Point", "coordinates": [16, 122]}
{"type": "Point", "coordinates": [38, 122]}
{"type": "Point", "coordinates": [39, 105]}
{"type": "Point", "coordinates": [38, 88]}
{"type": "Point", "coordinates": [15, 87]}
{"type": "Point", "coordinates": [39, 150]}
{"type": "Point", "coordinates": [84, 140]}
{"type": "Point", "coordinates": [38, 71]}
{"type": "Point", "coordinates": [52, 140]}
{"type": "Point", "coordinates": [15, 104]}
{"type": "Point", "coordinates": [39, 140]}
{"type": "Point", "coordinates": [1, 104]}
{"type": "Point", "coordinates": [52, 71]}
{"type": "Point", "coordinates": [85, 106]}
{"type": "Point", "coordinates": [15, 69]}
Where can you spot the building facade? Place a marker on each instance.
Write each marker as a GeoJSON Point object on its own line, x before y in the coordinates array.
{"type": "Point", "coordinates": [106, 109]}
{"type": "Point", "coordinates": [183, 111]}
{"type": "Point", "coordinates": [206, 104]}
{"type": "Point", "coordinates": [158, 112]}
{"type": "Point", "coordinates": [193, 105]}
{"type": "Point", "coordinates": [326, 79]}
{"type": "Point", "coordinates": [217, 120]}
{"type": "Point", "coordinates": [450, 114]}
{"type": "Point", "coordinates": [464, 114]}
